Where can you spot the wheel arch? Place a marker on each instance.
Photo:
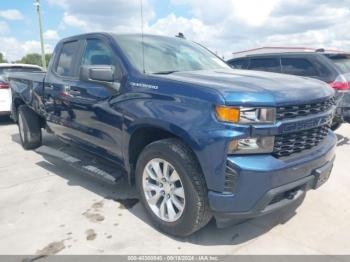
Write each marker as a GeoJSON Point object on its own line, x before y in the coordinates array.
{"type": "Point", "coordinates": [14, 108]}
{"type": "Point", "coordinates": [143, 135]}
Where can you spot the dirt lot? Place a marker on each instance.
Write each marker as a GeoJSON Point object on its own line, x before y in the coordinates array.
{"type": "Point", "coordinates": [49, 206]}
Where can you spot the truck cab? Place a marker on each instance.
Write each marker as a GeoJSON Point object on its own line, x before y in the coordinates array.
{"type": "Point", "coordinates": [197, 138]}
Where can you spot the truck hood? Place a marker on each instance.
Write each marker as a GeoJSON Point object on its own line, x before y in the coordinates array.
{"type": "Point", "coordinates": [239, 87]}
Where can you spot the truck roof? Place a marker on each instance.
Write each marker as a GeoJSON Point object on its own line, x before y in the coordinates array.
{"type": "Point", "coordinates": [113, 35]}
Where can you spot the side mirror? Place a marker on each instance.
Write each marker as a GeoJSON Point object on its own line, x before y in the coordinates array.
{"type": "Point", "coordinates": [101, 73]}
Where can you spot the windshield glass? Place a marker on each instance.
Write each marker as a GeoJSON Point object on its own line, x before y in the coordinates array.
{"type": "Point", "coordinates": [167, 55]}
{"type": "Point", "coordinates": [342, 61]}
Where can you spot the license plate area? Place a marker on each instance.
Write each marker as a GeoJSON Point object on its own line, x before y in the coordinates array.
{"type": "Point", "coordinates": [322, 174]}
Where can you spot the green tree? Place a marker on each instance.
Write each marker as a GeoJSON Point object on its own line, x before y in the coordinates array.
{"type": "Point", "coordinates": [2, 58]}
{"type": "Point", "coordinates": [47, 58]}
{"type": "Point", "coordinates": [34, 59]}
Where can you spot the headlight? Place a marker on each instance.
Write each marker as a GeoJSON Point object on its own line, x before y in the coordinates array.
{"type": "Point", "coordinates": [252, 145]}
{"type": "Point", "coordinates": [246, 115]}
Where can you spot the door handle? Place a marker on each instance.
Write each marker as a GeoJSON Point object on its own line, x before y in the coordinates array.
{"type": "Point", "coordinates": [72, 91]}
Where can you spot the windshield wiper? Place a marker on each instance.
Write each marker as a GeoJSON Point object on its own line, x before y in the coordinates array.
{"type": "Point", "coordinates": [165, 72]}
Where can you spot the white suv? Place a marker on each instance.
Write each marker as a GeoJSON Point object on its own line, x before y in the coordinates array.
{"type": "Point", "coordinates": [5, 92]}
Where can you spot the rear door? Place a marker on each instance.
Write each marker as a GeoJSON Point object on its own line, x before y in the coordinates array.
{"type": "Point", "coordinates": [62, 75]}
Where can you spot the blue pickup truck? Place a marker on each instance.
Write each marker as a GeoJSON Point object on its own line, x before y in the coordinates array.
{"type": "Point", "coordinates": [197, 138]}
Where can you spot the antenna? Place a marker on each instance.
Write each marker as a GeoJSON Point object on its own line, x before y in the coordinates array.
{"type": "Point", "coordinates": [142, 42]}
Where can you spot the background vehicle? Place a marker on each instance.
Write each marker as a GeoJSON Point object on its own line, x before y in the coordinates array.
{"type": "Point", "coordinates": [330, 66]}
{"type": "Point", "coordinates": [196, 137]}
{"type": "Point", "coordinates": [5, 92]}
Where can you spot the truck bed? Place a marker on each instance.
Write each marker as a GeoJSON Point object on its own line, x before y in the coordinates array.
{"type": "Point", "coordinates": [28, 87]}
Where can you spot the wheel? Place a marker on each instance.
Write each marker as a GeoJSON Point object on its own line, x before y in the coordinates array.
{"type": "Point", "coordinates": [29, 127]}
{"type": "Point", "coordinates": [172, 187]}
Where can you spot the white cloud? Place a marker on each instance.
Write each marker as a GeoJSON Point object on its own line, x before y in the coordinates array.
{"type": "Point", "coordinates": [4, 28]}
{"type": "Point", "coordinates": [253, 16]}
{"type": "Point", "coordinates": [252, 12]}
{"type": "Point", "coordinates": [172, 24]}
{"type": "Point", "coordinates": [61, 3]}
{"type": "Point", "coordinates": [11, 14]}
{"type": "Point", "coordinates": [71, 20]}
{"type": "Point", "coordinates": [105, 15]}
{"type": "Point", "coordinates": [193, 29]}
{"type": "Point", "coordinates": [224, 26]}
{"type": "Point", "coordinates": [51, 35]}
{"type": "Point", "coordinates": [14, 50]}
{"type": "Point", "coordinates": [242, 24]}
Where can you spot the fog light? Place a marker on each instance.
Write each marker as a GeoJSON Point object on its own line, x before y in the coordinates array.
{"type": "Point", "coordinates": [251, 145]}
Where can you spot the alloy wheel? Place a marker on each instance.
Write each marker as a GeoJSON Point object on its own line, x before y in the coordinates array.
{"type": "Point", "coordinates": [163, 189]}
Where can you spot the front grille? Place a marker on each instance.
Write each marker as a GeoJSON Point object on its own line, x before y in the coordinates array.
{"type": "Point", "coordinates": [288, 112]}
{"type": "Point", "coordinates": [291, 143]}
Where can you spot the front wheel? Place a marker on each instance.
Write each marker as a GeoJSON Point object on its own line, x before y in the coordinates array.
{"type": "Point", "coordinates": [172, 187]}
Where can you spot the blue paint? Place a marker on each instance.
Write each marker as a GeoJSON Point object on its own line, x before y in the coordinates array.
{"type": "Point", "coordinates": [182, 103]}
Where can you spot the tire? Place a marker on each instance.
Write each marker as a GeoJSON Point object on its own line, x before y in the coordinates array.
{"type": "Point", "coordinates": [29, 126]}
{"type": "Point", "coordinates": [195, 213]}
{"type": "Point", "coordinates": [335, 125]}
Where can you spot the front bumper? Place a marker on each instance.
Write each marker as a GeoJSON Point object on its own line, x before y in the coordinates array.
{"type": "Point", "coordinates": [264, 183]}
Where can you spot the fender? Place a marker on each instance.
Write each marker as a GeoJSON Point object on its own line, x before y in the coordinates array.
{"type": "Point", "coordinates": [167, 126]}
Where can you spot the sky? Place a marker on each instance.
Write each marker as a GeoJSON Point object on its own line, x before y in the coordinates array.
{"type": "Point", "coordinates": [224, 26]}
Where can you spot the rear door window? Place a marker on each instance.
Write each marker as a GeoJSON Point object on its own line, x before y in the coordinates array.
{"type": "Point", "coordinates": [265, 64]}
{"type": "Point", "coordinates": [298, 66]}
{"type": "Point", "coordinates": [67, 58]}
{"type": "Point", "coordinates": [239, 63]}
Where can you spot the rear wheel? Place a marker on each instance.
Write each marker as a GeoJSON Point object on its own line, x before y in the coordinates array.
{"type": "Point", "coordinates": [29, 126]}
{"type": "Point", "coordinates": [172, 187]}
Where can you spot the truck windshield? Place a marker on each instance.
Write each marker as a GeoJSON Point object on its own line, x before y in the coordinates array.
{"type": "Point", "coordinates": [166, 55]}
